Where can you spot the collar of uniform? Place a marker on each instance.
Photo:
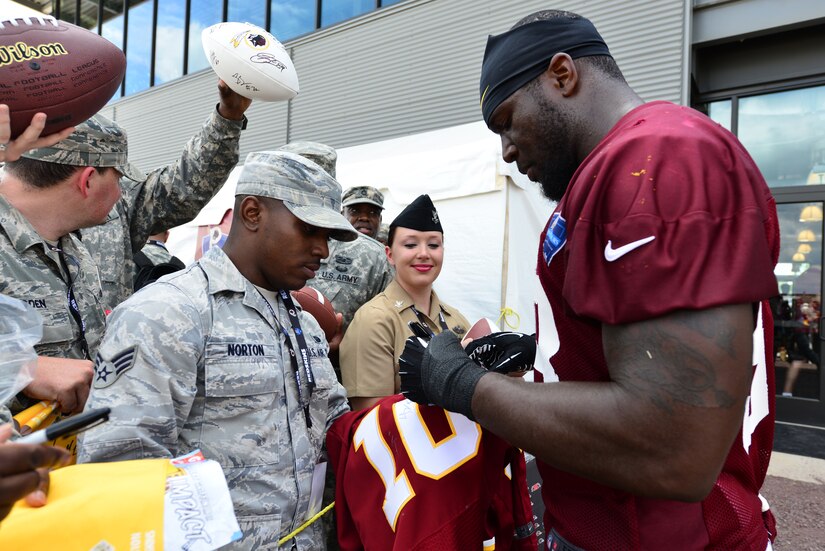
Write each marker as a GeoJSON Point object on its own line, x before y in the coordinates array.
{"type": "Point", "coordinates": [222, 273]}
{"type": "Point", "coordinates": [21, 233]}
{"type": "Point", "coordinates": [395, 293]}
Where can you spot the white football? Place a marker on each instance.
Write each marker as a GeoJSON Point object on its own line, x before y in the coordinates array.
{"type": "Point", "coordinates": [251, 61]}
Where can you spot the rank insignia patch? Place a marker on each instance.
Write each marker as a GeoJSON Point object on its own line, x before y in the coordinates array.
{"type": "Point", "coordinates": [109, 371]}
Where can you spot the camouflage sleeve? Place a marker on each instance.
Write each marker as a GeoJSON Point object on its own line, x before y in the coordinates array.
{"type": "Point", "coordinates": [174, 194]}
{"type": "Point", "coordinates": [338, 404]}
{"type": "Point", "coordinates": [384, 274]}
{"type": "Point", "coordinates": [146, 371]}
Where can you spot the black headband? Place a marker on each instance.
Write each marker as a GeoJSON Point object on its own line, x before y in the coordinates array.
{"type": "Point", "coordinates": [514, 58]}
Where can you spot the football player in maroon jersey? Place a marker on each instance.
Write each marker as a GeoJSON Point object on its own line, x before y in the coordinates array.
{"type": "Point", "coordinates": [655, 270]}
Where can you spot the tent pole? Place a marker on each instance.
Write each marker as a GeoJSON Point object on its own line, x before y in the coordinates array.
{"type": "Point", "coordinates": [506, 245]}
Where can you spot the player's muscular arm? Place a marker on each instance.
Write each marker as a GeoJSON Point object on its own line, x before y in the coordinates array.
{"type": "Point", "coordinates": [661, 427]}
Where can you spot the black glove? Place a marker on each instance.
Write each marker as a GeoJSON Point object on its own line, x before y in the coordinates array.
{"type": "Point", "coordinates": [409, 364]}
{"type": "Point", "coordinates": [441, 373]}
{"type": "Point", "coordinates": [504, 352]}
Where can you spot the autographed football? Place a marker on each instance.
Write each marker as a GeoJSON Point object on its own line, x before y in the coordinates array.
{"type": "Point", "coordinates": [54, 67]}
{"type": "Point", "coordinates": [317, 305]}
{"type": "Point", "coordinates": [251, 61]}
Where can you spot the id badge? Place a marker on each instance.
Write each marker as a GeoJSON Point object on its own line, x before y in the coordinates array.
{"type": "Point", "coordinates": [316, 496]}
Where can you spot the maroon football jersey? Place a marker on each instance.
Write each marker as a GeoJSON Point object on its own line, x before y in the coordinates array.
{"type": "Point", "coordinates": [669, 212]}
{"type": "Point", "coordinates": [411, 477]}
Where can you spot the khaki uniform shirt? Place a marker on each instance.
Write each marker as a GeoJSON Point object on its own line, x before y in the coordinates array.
{"type": "Point", "coordinates": [371, 347]}
{"type": "Point", "coordinates": [32, 272]}
{"type": "Point", "coordinates": [197, 361]}
{"type": "Point", "coordinates": [352, 274]}
{"type": "Point", "coordinates": [168, 197]}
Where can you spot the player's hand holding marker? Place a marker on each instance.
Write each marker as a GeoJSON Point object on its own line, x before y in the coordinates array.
{"type": "Point", "coordinates": [439, 370]}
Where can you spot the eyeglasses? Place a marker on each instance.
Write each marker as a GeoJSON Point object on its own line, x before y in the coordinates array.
{"type": "Point", "coordinates": [74, 309]}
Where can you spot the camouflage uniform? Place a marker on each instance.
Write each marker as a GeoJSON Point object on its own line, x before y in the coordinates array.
{"type": "Point", "coordinates": [320, 154]}
{"type": "Point", "coordinates": [354, 271]}
{"type": "Point", "coordinates": [383, 234]}
{"type": "Point", "coordinates": [32, 271]}
{"type": "Point", "coordinates": [200, 362]}
{"type": "Point", "coordinates": [156, 252]}
{"type": "Point", "coordinates": [352, 274]}
{"type": "Point", "coordinates": [167, 197]}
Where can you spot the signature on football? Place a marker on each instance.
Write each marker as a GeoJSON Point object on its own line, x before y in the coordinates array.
{"type": "Point", "coordinates": [239, 80]}
{"type": "Point", "coordinates": [267, 58]}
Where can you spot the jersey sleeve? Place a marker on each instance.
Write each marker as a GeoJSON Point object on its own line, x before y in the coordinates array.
{"type": "Point", "coordinates": [669, 214]}
{"type": "Point", "coordinates": [338, 441]}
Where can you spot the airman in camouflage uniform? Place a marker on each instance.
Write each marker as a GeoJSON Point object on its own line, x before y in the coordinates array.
{"type": "Point", "coordinates": [45, 264]}
{"type": "Point", "coordinates": [354, 271]}
{"type": "Point", "coordinates": [202, 360]}
{"type": "Point", "coordinates": [100, 269]}
{"type": "Point", "coordinates": [166, 197]}
{"type": "Point", "coordinates": [35, 271]}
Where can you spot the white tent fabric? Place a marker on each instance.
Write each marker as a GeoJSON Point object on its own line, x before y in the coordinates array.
{"type": "Point", "coordinates": [492, 215]}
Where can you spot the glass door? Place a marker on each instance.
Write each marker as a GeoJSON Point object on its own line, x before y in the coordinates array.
{"type": "Point", "coordinates": [797, 311]}
{"type": "Point", "coordinates": [784, 131]}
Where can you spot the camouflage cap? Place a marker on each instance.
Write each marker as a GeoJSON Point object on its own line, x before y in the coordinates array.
{"type": "Point", "coordinates": [97, 142]}
{"type": "Point", "coordinates": [318, 153]}
{"type": "Point", "coordinates": [306, 189]}
{"type": "Point", "coordinates": [363, 194]}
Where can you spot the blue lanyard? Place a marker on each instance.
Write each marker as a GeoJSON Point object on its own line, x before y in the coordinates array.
{"type": "Point", "coordinates": [74, 309]}
{"type": "Point", "coordinates": [302, 347]}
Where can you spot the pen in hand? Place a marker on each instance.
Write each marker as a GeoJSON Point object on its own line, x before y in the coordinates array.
{"type": "Point", "coordinates": [67, 427]}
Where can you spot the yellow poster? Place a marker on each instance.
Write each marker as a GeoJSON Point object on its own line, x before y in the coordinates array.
{"type": "Point", "coordinates": [98, 506]}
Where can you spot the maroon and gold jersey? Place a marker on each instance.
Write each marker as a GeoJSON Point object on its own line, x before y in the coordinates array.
{"type": "Point", "coordinates": [669, 212]}
{"type": "Point", "coordinates": [412, 477]}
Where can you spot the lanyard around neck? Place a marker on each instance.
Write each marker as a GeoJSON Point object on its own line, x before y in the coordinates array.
{"type": "Point", "coordinates": [441, 321]}
{"type": "Point", "coordinates": [74, 309]}
{"type": "Point", "coordinates": [296, 359]}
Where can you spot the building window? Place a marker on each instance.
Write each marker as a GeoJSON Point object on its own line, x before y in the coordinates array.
{"type": "Point", "coordinates": [720, 111]}
{"type": "Point", "coordinates": [291, 18]}
{"type": "Point", "coordinates": [68, 12]}
{"type": "Point", "coordinates": [169, 38]}
{"type": "Point", "coordinates": [177, 48]}
{"type": "Point", "coordinates": [248, 11]}
{"type": "Point", "coordinates": [784, 132]}
{"type": "Point", "coordinates": [335, 11]}
{"type": "Point", "coordinates": [138, 46]}
{"type": "Point", "coordinates": [204, 14]}
{"type": "Point", "coordinates": [112, 22]}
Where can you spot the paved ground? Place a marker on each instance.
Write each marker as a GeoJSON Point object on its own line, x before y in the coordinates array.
{"type": "Point", "coordinates": [795, 488]}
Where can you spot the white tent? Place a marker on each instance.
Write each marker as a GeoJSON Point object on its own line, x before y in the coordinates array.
{"type": "Point", "coordinates": [492, 215]}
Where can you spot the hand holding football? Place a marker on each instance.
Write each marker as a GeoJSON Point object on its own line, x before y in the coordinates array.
{"type": "Point", "coordinates": [250, 61]}
{"type": "Point", "coordinates": [54, 67]}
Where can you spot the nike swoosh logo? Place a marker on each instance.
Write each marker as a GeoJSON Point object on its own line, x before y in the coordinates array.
{"type": "Point", "coordinates": [611, 254]}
